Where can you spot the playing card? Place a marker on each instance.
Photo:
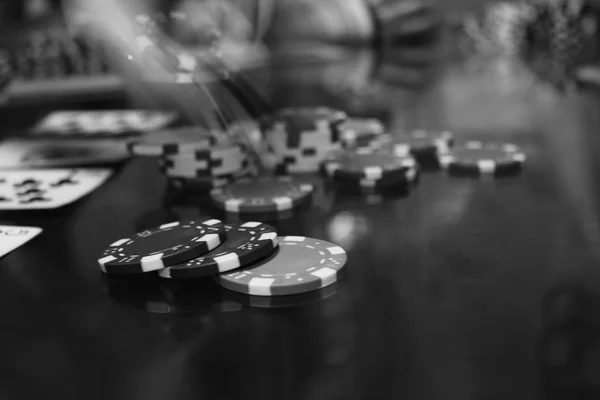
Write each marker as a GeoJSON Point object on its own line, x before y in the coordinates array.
{"type": "Point", "coordinates": [110, 123]}
{"type": "Point", "coordinates": [13, 237]}
{"type": "Point", "coordinates": [50, 153]}
{"type": "Point", "coordinates": [47, 188]}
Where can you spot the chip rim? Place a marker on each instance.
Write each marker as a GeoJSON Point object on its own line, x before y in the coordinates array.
{"type": "Point", "coordinates": [268, 238]}
{"type": "Point", "coordinates": [232, 204]}
{"type": "Point", "coordinates": [453, 163]}
{"type": "Point", "coordinates": [311, 278]}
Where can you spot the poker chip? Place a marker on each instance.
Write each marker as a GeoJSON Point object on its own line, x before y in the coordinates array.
{"type": "Point", "coordinates": [299, 139]}
{"type": "Point", "coordinates": [169, 244]}
{"type": "Point", "coordinates": [262, 195]}
{"type": "Point", "coordinates": [246, 243]}
{"type": "Point", "coordinates": [206, 183]}
{"type": "Point", "coordinates": [296, 122]}
{"type": "Point", "coordinates": [173, 141]}
{"type": "Point", "coordinates": [479, 158]}
{"type": "Point", "coordinates": [367, 164]}
{"type": "Point", "coordinates": [200, 170]}
{"type": "Point", "coordinates": [410, 176]}
{"type": "Point", "coordinates": [246, 132]}
{"type": "Point", "coordinates": [209, 162]}
{"type": "Point", "coordinates": [306, 160]}
{"type": "Point", "coordinates": [419, 143]}
{"type": "Point", "coordinates": [299, 265]}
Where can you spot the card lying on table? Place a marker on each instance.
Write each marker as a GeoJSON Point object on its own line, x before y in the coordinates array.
{"type": "Point", "coordinates": [13, 237]}
{"type": "Point", "coordinates": [51, 153]}
{"type": "Point", "coordinates": [47, 188]}
{"type": "Point", "coordinates": [98, 124]}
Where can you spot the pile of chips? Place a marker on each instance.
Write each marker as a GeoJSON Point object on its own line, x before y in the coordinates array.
{"type": "Point", "coordinates": [194, 156]}
{"type": "Point", "coordinates": [247, 257]}
{"type": "Point", "coordinates": [355, 154]}
{"type": "Point", "coordinates": [394, 160]}
{"type": "Point", "coordinates": [298, 140]}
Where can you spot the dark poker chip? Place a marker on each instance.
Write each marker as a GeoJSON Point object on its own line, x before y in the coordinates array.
{"type": "Point", "coordinates": [205, 184]}
{"type": "Point", "coordinates": [169, 244]}
{"type": "Point", "coordinates": [409, 177]}
{"type": "Point", "coordinates": [294, 123]}
{"type": "Point", "coordinates": [479, 158]}
{"type": "Point", "coordinates": [236, 165]}
{"type": "Point", "coordinates": [246, 243]}
{"type": "Point", "coordinates": [420, 143]}
{"type": "Point", "coordinates": [262, 195]}
{"type": "Point", "coordinates": [367, 164]}
{"type": "Point", "coordinates": [299, 265]}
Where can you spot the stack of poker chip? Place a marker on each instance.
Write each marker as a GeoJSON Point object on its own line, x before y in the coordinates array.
{"type": "Point", "coordinates": [194, 157]}
{"type": "Point", "coordinates": [371, 170]}
{"type": "Point", "coordinates": [297, 140]}
{"type": "Point", "coordinates": [424, 145]}
{"type": "Point", "coordinates": [246, 257]}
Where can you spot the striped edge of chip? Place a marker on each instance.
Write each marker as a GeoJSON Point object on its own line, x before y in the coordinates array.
{"type": "Point", "coordinates": [171, 142]}
{"type": "Point", "coordinates": [252, 241]}
{"type": "Point", "coordinates": [514, 158]}
{"type": "Point", "coordinates": [411, 175]}
{"type": "Point", "coordinates": [209, 182]}
{"type": "Point", "coordinates": [204, 236]}
{"type": "Point", "coordinates": [439, 142]}
{"type": "Point", "coordinates": [241, 197]}
{"type": "Point", "coordinates": [299, 265]}
{"type": "Point", "coordinates": [404, 180]}
{"type": "Point", "coordinates": [333, 166]}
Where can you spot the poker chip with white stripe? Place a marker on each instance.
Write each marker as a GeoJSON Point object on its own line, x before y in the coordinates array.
{"type": "Point", "coordinates": [210, 162]}
{"type": "Point", "coordinates": [299, 265]}
{"type": "Point", "coordinates": [246, 243]}
{"type": "Point", "coordinates": [166, 245]}
{"type": "Point", "coordinates": [169, 142]}
{"type": "Point", "coordinates": [418, 143]}
{"type": "Point", "coordinates": [474, 157]}
{"type": "Point", "coordinates": [262, 195]}
{"type": "Point", "coordinates": [299, 139]}
{"type": "Point", "coordinates": [368, 164]}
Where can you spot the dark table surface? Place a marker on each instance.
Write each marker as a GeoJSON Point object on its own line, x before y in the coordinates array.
{"type": "Point", "coordinates": [465, 289]}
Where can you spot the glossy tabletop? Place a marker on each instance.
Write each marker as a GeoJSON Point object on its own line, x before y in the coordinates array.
{"type": "Point", "coordinates": [463, 289]}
